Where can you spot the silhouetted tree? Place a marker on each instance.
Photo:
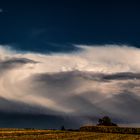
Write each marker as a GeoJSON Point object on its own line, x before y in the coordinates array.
{"type": "Point", "coordinates": [106, 121]}
{"type": "Point", "coordinates": [63, 128]}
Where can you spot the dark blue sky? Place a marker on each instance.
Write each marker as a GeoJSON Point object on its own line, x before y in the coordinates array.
{"type": "Point", "coordinates": [53, 25]}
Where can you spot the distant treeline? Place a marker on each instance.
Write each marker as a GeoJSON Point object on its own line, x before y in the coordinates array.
{"type": "Point", "coordinates": [110, 129]}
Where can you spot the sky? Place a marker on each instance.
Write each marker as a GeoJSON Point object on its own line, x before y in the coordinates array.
{"type": "Point", "coordinates": [54, 25]}
{"type": "Point", "coordinates": [69, 63]}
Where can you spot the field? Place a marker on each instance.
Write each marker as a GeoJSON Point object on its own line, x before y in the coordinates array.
{"type": "Point", "coordinates": [29, 134]}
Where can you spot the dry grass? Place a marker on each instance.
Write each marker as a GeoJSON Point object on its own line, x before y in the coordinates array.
{"type": "Point", "coordinates": [23, 134]}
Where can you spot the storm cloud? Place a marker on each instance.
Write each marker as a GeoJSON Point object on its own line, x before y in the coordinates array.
{"type": "Point", "coordinates": [88, 83]}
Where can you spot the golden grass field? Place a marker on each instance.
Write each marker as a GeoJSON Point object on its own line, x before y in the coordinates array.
{"type": "Point", "coordinates": [29, 134]}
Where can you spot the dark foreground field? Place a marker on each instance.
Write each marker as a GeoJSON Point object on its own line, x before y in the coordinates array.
{"type": "Point", "coordinates": [28, 134]}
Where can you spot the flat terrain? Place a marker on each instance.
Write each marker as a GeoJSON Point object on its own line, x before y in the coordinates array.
{"type": "Point", "coordinates": [25, 134]}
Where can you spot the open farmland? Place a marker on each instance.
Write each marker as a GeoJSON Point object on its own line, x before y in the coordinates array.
{"type": "Point", "coordinates": [29, 134]}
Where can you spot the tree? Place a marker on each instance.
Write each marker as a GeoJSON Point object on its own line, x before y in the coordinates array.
{"type": "Point", "coordinates": [106, 121]}
{"type": "Point", "coordinates": [62, 128]}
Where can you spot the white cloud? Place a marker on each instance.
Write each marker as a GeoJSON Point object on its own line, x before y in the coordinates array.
{"type": "Point", "coordinates": [75, 83]}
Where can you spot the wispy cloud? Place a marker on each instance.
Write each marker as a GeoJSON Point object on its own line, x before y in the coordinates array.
{"type": "Point", "coordinates": [1, 10]}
